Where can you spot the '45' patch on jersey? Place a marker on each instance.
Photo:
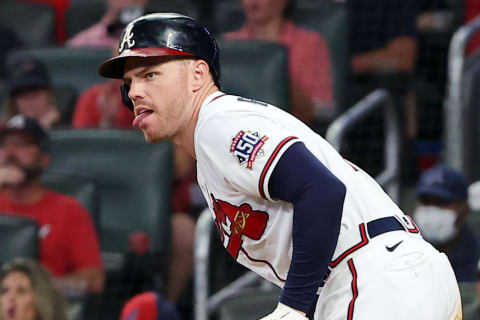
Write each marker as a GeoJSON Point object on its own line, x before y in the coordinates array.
{"type": "Point", "coordinates": [235, 222]}
{"type": "Point", "coordinates": [247, 146]}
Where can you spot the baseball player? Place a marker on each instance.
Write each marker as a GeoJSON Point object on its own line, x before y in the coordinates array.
{"type": "Point", "coordinates": [287, 205]}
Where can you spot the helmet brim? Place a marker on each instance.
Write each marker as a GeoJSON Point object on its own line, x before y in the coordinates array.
{"type": "Point", "coordinates": [113, 67]}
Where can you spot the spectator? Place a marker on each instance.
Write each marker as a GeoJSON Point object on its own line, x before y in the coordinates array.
{"type": "Point", "coordinates": [383, 36]}
{"type": "Point", "coordinates": [30, 92]}
{"type": "Point", "coordinates": [148, 306]}
{"type": "Point", "coordinates": [309, 58]}
{"type": "Point", "coordinates": [69, 246]}
{"type": "Point", "coordinates": [103, 33]}
{"type": "Point", "coordinates": [101, 106]}
{"type": "Point", "coordinates": [441, 215]}
{"type": "Point", "coordinates": [27, 292]}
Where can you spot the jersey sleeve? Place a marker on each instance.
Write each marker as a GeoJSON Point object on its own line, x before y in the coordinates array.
{"type": "Point", "coordinates": [244, 147]}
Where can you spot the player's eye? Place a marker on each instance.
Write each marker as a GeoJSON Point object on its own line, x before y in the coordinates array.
{"type": "Point", "coordinates": [151, 75]}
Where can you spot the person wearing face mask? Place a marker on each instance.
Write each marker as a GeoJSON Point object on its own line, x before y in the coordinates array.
{"type": "Point", "coordinates": [441, 212]}
{"type": "Point", "coordinates": [27, 292]}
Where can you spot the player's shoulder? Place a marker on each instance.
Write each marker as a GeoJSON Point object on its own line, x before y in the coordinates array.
{"type": "Point", "coordinates": [228, 112]}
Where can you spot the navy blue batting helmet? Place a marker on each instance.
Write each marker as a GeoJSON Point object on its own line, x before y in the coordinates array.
{"type": "Point", "coordinates": [164, 34]}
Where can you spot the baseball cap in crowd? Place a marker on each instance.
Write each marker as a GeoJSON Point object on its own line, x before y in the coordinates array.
{"type": "Point", "coordinates": [26, 72]}
{"type": "Point", "coordinates": [29, 126]}
{"type": "Point", "coordinates": [444, 183]}
{"type": "Point", "coordinates": [148, 306]}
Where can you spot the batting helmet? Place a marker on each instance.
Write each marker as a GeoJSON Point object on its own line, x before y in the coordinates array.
{"type": "Point", "coordinates": [163, 34]}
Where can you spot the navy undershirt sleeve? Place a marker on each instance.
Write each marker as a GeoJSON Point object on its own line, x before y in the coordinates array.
{"type": "Point", "coordinates": [317, 197]}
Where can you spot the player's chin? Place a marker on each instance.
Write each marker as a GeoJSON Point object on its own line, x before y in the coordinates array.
{"type": "Point", "coordinates": [152, 138]}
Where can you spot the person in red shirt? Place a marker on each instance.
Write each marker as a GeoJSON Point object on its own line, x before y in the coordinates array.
{"type": "Point", "coordinates": [69, 245]}
{"type": "Point", "coordinates": [309, 56]}
{"type": "Point", "coordinates": [100, 106]}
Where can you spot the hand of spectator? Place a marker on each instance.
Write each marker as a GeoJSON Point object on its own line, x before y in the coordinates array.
{"type": "Point", "coordinates": [11, 176]}
{"type": "Point", "coordinates": [48, 118]}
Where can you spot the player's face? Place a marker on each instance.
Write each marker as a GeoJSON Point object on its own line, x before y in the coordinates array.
{"type": "Point", "coordinates": [159, 89]}
{"type": "Point", "coordinates": [16, 297]}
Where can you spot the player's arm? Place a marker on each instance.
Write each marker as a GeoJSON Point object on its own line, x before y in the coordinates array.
{"type": "Point", "coordinates": [317, 196]}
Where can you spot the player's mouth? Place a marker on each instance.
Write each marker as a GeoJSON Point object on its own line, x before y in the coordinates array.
{"type": "Point", "coordinates": [141, 114]}
{"type": "Point", "coordinates": [11, 313]}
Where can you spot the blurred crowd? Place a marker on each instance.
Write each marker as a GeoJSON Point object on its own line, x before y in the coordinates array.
{"type": "Point", "coordinates": [399, 45]}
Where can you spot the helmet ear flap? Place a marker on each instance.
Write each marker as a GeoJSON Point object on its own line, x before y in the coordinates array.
{"type": "Point", "coordinates": [124, 89]}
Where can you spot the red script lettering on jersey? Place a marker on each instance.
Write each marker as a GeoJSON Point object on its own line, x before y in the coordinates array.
{"type": "Point", "coordinates": [234, 222]}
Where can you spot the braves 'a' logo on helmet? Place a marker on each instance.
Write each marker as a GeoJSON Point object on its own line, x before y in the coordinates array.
{"type": "Point", "coordinates": [127, 39]}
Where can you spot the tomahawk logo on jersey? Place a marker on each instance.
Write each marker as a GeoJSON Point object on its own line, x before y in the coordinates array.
{"type": "Point", "coordinates": [236, 222]}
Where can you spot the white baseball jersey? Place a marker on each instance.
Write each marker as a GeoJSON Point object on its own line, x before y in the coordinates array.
{"type": "Point", "coordinates": [238, 142]}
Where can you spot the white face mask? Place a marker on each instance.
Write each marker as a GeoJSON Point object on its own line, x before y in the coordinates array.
{"type": "Point", "coordinates": [436, 224]}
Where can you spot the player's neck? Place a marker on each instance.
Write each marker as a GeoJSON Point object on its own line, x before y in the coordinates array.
{"type": "Point", "coordinates": [185, 139]}
{"type": "Point", "coordinates": [26, 194]}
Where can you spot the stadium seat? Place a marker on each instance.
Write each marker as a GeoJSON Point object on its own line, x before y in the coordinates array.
{"type": "Point", "coordinates": [65, 98]}
{"type": "Point", "coordinates": [34, 23]}
{"type": "Point", "coordinates": [256, 70]}
{"type": "Point", "coordinates": [330, 19]}
{"type": "Point", "coordinates": [132, 179]}
{"type": "Point", "coordinates": [84, 190]}
{"type": "Point", "coordinates": [251, 303]}
{"type": "Point", "coordinates": [83, 14]}
{"type": "Point", "coordinates": [470, 95]}
{"type": "Point", "coordinates": [74, 67]}
{"type": "Point", "coordinates": [19, 238]}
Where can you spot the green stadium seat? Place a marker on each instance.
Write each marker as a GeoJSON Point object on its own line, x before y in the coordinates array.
{"type": "Point", "coordinates": [250, 303]}
{"type": "Point", "coordinates": [330, 19]}
{"type": "Point", "coordinates": [74, 67]}
{"type": "Point", "coordinates": [84, 190]}
{"type": "Point", "coordinates": [82, 14]}
{"type": "Point", "coordinates": [33, 23]}
{"type": "Point", "coordinates": [19, 238]}
{"type": "Point", "coordinates": [470, 300]}
{"type": "Point", "coordinates": [132, 179]}
{"type": "Point", "coordinates": [65, 98]}
{"type": "Point", "coordinates": [255, 69]}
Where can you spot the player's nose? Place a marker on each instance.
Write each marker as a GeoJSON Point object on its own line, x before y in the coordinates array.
{"type": "Point", "coordinates": [136, 91]}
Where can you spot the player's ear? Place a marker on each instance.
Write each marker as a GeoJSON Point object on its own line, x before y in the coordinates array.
{"type": "Point", "coordinates": [201, 74]}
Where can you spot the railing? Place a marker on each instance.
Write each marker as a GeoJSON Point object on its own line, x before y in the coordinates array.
{"type": "Point", "coordinates": [204, 304]}
{"type": "Point", "coordinates": [380, 98]}
{"type": "Point", "coordinates": [457, 129]}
